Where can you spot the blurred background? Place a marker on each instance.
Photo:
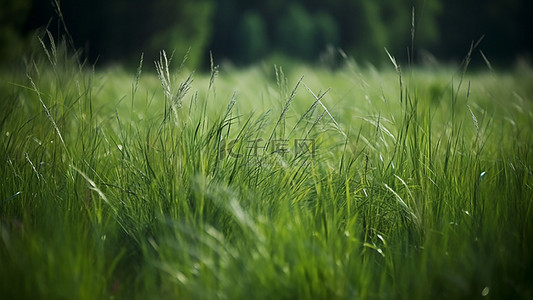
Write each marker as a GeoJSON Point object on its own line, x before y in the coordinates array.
{"type": "Point", "coordinates": [248, 31]}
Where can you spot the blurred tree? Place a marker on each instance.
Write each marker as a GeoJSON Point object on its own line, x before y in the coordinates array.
{"type": "Point", "coordinates": [326, 32]}
{"type": "Point", "coordinates": [251, 38]}
{"type": "Point", "coordinates": [13, 14]}
{"type": "Point", "coordinates": [180, 26]}
{"type": "Point", "coordinates": [427, 13]}
{"type": "Point", "coordinates": [374, 30]}
{"type": "Point", "coordinates": [119, 30]}
{"type": "Point", "coordinates": [245, 30]}
{"type": "Point", "coordinates": [225, 21]}
{"type": "Point", "coordinates": [294, 32]}
{"type": "Point", "coordinates": [507, 26]}
{"type": "Point", "coordinates": [304, 28]}
{"type": "Point", "coordinates": [388, 23]}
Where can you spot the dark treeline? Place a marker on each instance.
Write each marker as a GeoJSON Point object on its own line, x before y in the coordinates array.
{"type": "Point", "coordinates": [245, 31]}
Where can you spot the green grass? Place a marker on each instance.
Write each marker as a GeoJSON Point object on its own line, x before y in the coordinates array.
{"type": "Point", "coordinates": [130, 186]}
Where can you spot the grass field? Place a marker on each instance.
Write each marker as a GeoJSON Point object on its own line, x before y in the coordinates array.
{"type": "Point", "coordinates": [259, 183]}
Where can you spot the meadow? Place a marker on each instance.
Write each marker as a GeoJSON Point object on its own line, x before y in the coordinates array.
{"type": "Point", "coordinates": [265, 182]}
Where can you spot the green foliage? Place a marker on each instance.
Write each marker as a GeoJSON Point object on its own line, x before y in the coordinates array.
{"type": "Point", "coordinates": [13, 14]}
{"type": "Point", "coordinates": [389, 24]}
{"type": "Point", "coordinates": [123, 29]}
{"type": "Point", "coordinates": [304, 29]}
{"type": "Point", "coordinates": [294, 32]}
{"type": "Point", "coordinates": [372, 28]}
{"type": "Point", "coordinates": [251, 38]}
{"type": "Point", "coordinates": [119, 30]}
{"type": "Point", "coordinates": [326, 31]}
{"type": "Point", "coordinates": [181, 26]}
{"type": "Point", "coordinates": [304, 35]}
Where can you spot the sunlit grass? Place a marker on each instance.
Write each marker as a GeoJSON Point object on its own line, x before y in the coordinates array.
{"type": "Point", "coordinates": [119, 185]}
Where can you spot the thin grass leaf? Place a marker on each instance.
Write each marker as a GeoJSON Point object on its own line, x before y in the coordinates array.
{"type": "Point", "coordinates": [94, 187]}
{"type": "Point", "coordinates": [337, 126]}
{"type": "Point", "coordinates": [47, 112]}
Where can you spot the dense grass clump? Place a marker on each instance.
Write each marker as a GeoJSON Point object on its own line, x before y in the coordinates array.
{"type": "Point", "coordinates": [262, 183]}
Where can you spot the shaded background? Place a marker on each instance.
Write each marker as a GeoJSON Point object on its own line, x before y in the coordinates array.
{"type": "Point", "coordinates": [244, 31]}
